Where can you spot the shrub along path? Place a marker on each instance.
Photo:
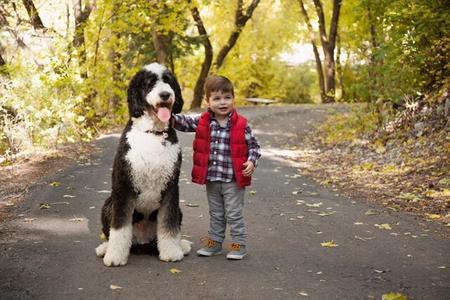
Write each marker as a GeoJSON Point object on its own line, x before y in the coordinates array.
{"type": "Point", "coordinates": [305, 240]}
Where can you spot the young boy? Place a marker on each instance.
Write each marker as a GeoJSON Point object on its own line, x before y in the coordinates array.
{"type": "Point", "coordinates": [225, 157]}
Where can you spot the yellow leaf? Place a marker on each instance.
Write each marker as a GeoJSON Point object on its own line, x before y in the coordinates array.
{"type": "Point", "coordinates": [44, 206]}
{"type": "Point", "coordinates": [103, 237]}
{"type": "Point", "coordinates": [55, 183]}
{"type": "Point", "coordinates": [384, 226]}
{"type": "Point", "coordinates": [394, 296]}
{"type": "Point", "coordinates": [175, 271]}
{"type": "Point", "coordinates": [433, 216]}
{"type": "Point", "coordinates": [329, 244]}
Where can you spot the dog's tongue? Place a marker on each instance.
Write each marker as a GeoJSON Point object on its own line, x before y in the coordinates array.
{"type": "Point", "coordinates": [164, 114]}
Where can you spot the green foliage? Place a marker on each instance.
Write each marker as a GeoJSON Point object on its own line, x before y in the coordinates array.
{"type": "Point", "coordinates": [411, 53]}
{"type": "Point", "coordinates": [348, 127]}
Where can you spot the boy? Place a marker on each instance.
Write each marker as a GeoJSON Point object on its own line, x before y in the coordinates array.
{"type": "Point", "coordinates": [225, 157]}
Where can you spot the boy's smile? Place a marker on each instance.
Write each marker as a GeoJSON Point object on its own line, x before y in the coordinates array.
{"type": "Point", "coordinates": [221, 103]}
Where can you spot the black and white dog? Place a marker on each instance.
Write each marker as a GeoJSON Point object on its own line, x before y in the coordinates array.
{"type": "Point", "coordinates": [144, 202]}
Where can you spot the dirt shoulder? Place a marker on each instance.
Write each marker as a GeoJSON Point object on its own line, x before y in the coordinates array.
{"type": "Point", "coordinates": [32, 170]}
{"type": "Point", "coordinates": [409, 175]}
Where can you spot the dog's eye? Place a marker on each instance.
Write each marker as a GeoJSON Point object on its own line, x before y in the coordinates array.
{"type": "Point", "coordinates": [166, 78]}
{"type": "Point", "coordinates": [150, 82]}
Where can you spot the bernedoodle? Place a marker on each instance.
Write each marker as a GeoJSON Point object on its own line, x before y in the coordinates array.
{"type": "Point", "coordinates": [144, 204]}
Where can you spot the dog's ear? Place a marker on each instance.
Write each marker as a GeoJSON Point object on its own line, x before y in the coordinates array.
{"type": "Point", "coordinates": [135, 101]}
{"type": "Point", "coordinates": [178, 105]}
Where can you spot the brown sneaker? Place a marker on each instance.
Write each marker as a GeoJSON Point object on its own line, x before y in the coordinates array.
{"type": "Point", "coordinates": [237, 252]}
{"type": "Point", "coordinates": [211, 248]}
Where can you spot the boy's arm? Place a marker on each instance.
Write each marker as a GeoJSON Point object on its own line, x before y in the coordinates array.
{"type": "Point", "coordinates": [185, 123]}
{"type": "Point", "coordinates": [254, 149]}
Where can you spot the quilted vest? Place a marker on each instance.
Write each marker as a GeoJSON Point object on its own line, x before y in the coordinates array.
{"type": "Point", "coordinates": [238, 146]}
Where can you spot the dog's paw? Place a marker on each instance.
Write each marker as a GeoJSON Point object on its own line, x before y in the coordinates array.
{"type": "Point", "coordinates": [185, 246]}
{"type": "Point", "coordinates": [170, 250]}
{"type": "Point", "coordinates": [101, 249]}
{"type": "Point", "coordinates": [115, 258]}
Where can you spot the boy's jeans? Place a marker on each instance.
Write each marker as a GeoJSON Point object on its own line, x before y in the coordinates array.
{"type": "Point", "coordinates": [226, 205]}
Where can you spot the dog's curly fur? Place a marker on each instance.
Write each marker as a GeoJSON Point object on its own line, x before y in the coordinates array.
{"type": "Point", "coordinates": [144, 204]}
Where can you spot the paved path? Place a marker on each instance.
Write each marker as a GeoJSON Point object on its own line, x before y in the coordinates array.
{"type": "Point", "coordinates": [49, 253]}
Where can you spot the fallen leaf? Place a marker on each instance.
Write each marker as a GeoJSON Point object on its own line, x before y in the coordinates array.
{"type": "Point", "coordinates": [192, 205]}
{"type": "Point", "coordinates": [358, 223]}
{"type": "Point", "coordinates": [68, 196]}
{"type": "Point", "coordinates": [324, 214]}
{"type": "Point", "coordinates": [252, 193]}
{"type": "Point", "coordinates": [44, 206]}
{"type": "Point", "coordinates": [384, 226]}
{"type": "Point", "coordinates": [76, 219]}
{"type": "Point", "coordinates": [363, 238]}
{"type": "Point", "coordinates": [371, 212]}
{"type": "Point", "coordinates": [329, 244]}
{"type": "Point", "coordinates": [394, 296]}
{"type": "Point", "coordinates": [103, 237]}
{"type": "Point", "coordinates": [442, 267]}
{"type": "Point", "coordinates": [314, 204]}
{"type": "Point", "coordinates": [303, 294]}
{"type": "Point", "coordinates": [104, 192]}
{"type": "Point", "coordinates": [55, 183]}
{"type": "Point", "coordinates": [433, 216]}
{"type": "Point", "coordinates": [174, 271]}
{"type": "Point", "coordinates": [114, 287]}
{"type": "Point", "coordinates": [29, 220]}
{"type": "Point", "coordinates": [56, 203]}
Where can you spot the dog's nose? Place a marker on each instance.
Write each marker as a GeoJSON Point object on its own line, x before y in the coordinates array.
{"type": "Point", "coordinates": [164, 96]}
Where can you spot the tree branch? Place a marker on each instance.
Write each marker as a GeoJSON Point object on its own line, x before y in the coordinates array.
{"type": "Point", "coordinates": [239, 22]}
{"type": "Point", "coordinates": [320, 14]}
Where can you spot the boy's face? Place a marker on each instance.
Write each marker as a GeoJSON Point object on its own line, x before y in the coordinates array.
{"type": "Point", "coordinates": [221, 103]}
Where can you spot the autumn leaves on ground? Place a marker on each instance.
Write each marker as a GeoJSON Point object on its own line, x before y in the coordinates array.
{"type": "Point", "coordinates": [404, 170]}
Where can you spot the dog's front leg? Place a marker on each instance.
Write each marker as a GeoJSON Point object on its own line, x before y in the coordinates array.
{"type": "Point", "coordinates": [168, 228]}
{"type": "Point", "coordinates": [121, 233]}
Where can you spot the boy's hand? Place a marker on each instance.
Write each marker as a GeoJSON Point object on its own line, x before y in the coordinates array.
{"type": "Point", "coordinates": [249, 168]}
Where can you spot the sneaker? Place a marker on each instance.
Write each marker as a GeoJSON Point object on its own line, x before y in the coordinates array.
{"type": "Point", "coordinates": [237, 252]}
{"type": "Point", "coordinates": [211, 248]}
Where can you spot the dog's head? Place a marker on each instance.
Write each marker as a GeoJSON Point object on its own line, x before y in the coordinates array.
{"type": "Point", "coordinates": [154, 90]}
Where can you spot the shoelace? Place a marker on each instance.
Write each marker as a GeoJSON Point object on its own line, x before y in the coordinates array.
{"type": "Point", "coordinates": [235, 247]}
{"type": "Point", "coordinates": [208, 242]}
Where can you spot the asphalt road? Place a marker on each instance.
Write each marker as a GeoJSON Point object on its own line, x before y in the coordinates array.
{"type": "Point", "coordinates": [49, 253]}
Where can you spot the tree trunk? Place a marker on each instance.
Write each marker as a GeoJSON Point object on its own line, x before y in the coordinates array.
{"type": "Point", "coordinates": [33, 14]}
{"type": "Point", "coordinates": [239, 22]}
{"type": "Point", "coordinates": [162, 43]}
{"type": "Point", "coordinates": [328, 45]}
{"type": "Point", "coordinates": [339, 71]}
{"type": "Point", "coordinates": [81, 17]}
{"type": "Point", "coordinates": [206, 65]}
{"type": "Point", "coordinates": [316, 52]}
{"type": "Point", "coordinates": [330, 79]}
{"type": "Point", "coordinates": [372, 59]}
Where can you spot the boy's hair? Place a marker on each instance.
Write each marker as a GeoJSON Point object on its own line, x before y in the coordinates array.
{"type": "Point", "coordinates": [216, 83]}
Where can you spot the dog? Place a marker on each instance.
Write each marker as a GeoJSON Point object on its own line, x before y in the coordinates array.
{"type": "Point", "coordinates": [143, 207]}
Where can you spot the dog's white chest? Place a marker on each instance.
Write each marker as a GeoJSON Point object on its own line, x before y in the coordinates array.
{"type": "Point", "coordinates": [152, 166]}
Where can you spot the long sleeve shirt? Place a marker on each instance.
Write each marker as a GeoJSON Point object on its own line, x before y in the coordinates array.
{"type": "Point", "coordinates": [220, 166]}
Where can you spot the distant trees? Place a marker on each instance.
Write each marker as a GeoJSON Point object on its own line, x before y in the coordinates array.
{"type": "Point", "coordinates": [240, 20]}
{"type": "Point", "coordinates": [326, 72]}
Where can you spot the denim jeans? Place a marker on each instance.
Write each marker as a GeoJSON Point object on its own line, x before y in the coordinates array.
{"type": "Point", "coordinates": [226, 205]}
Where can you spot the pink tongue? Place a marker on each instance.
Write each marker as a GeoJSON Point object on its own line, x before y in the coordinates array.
{"type": "Point", "coordinates": [163, 114]}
